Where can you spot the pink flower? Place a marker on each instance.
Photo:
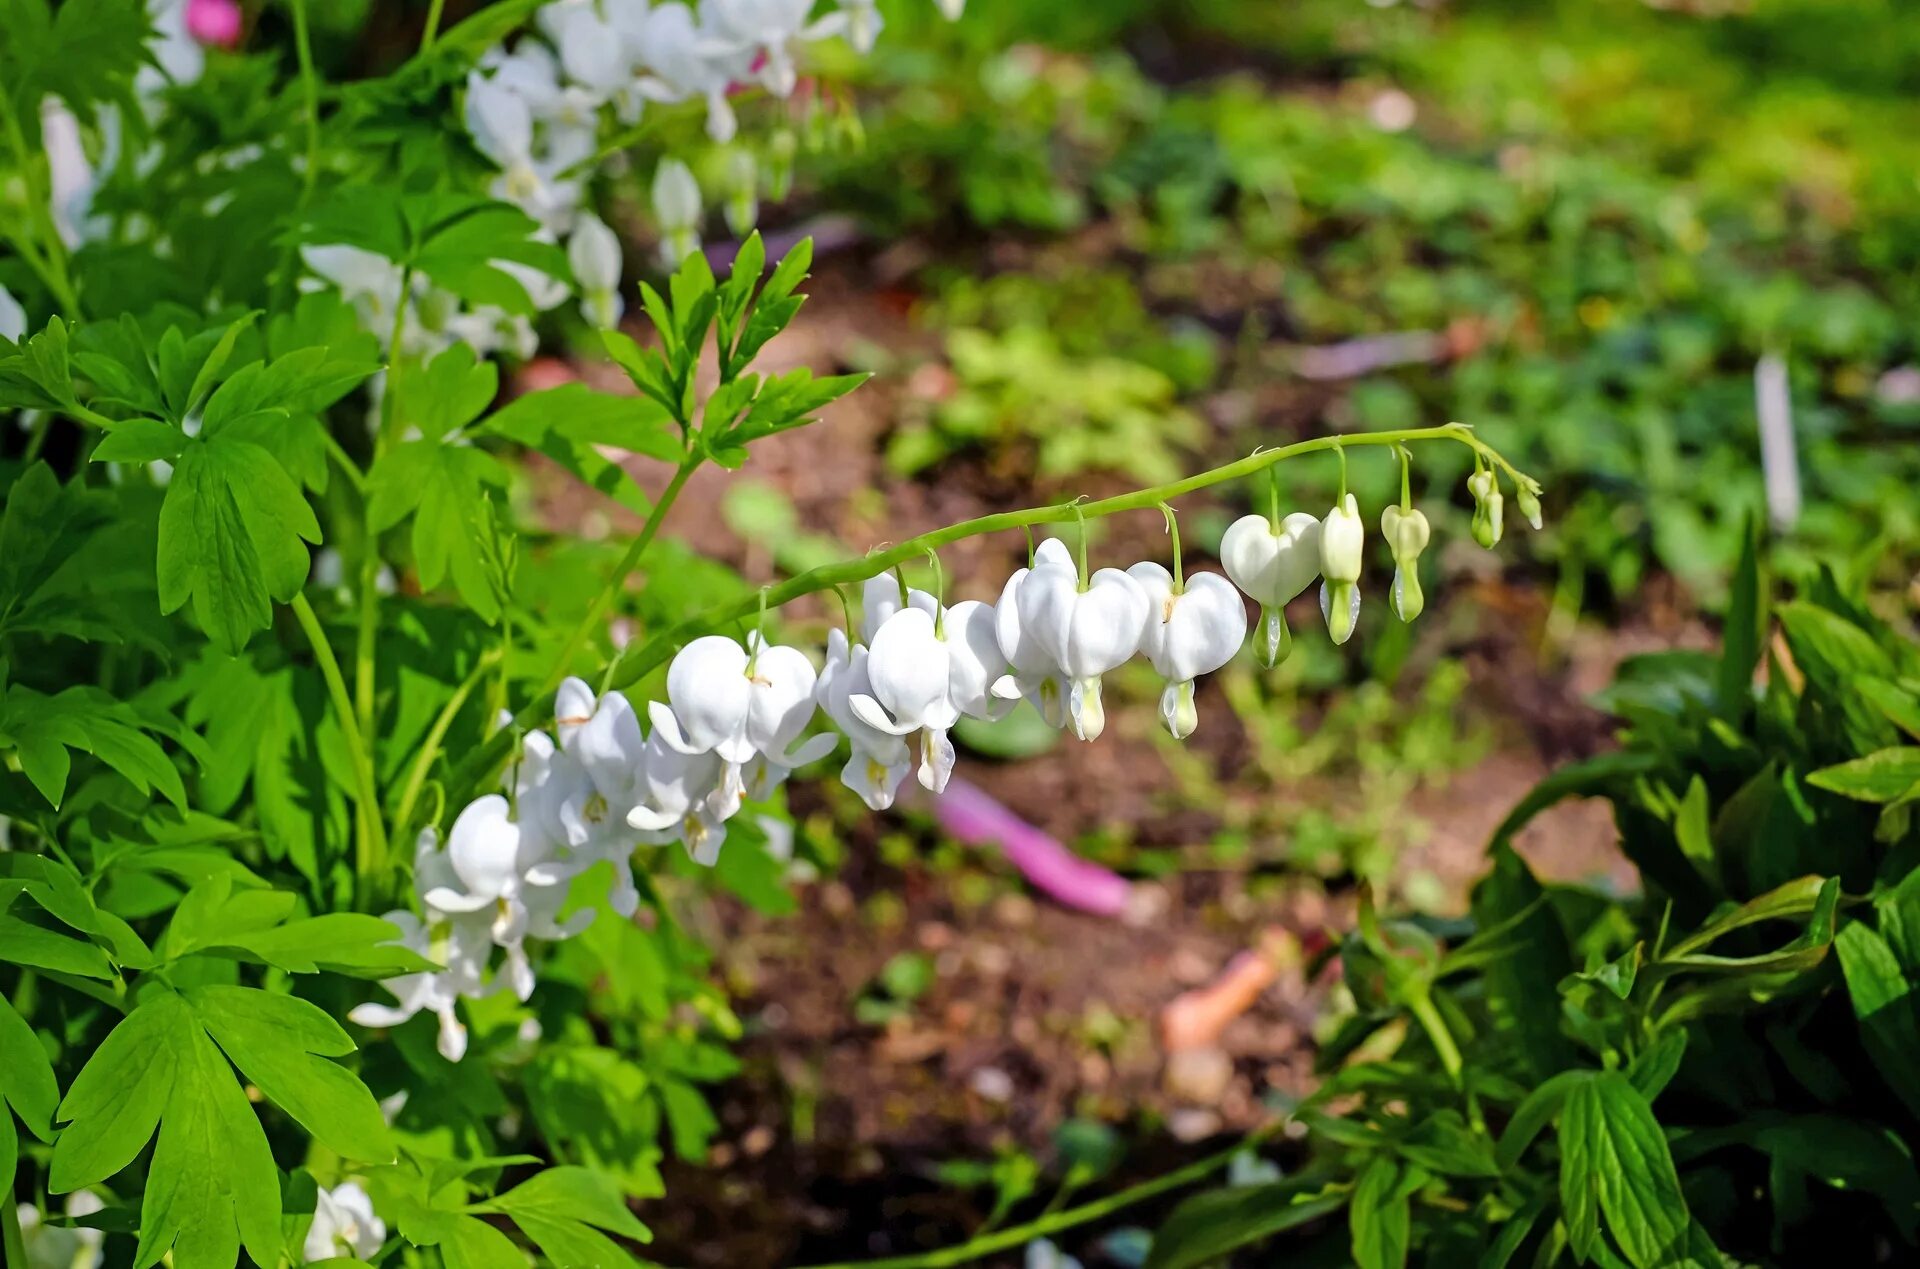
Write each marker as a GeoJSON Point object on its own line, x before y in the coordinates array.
{"type": "Point", "coordinates": [215, 22]}
{"type": "Point", "coordinates": [974, 817]}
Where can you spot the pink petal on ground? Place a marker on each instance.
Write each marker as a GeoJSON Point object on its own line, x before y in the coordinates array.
{"type": "Point", "coordinates": [974, 817]}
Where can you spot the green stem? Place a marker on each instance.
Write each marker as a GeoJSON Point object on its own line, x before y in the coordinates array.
{"type": "Point", "coordinates": [50, 259]}
{"type": "Point", "coordinates": [1173, 532]}
{"type": "Point", "coordinates": [367, 594]}
{"type": "Point", "coordinates": [1437, 1032]}
{"type": "Point", "coordinates": [12, 1242]}
{"type": "Point", "coordinates": [436, 736]}
{"type": "Point", "coordinates": [661, 647]}
{"type": "Point", "coordinates": [371, 847]}
{"type": "Point", "coordinates": [432, 30]}
{"type": "Point", "coordinates": [309, 179]}
{"type": "Point", "coordinates": [344, 461]}
{"type": "Point", "coordinates": [37, 438]}
{"type": "Point", "coordinates": [1040, 1227]}
{"type": "Point", "coordinates": [616, 580]}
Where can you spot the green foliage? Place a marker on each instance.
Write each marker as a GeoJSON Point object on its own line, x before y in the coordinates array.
{"type": "Point", "coordinates": [1710, 1068]}
{"type": "Point", "coordinates": [222, 723]}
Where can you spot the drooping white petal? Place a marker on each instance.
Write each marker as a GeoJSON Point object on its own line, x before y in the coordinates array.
{"type": "Point", "coordinates": [499, 121]}
{"type": "Point", "coordinates": [676, 196]}
{"type": "Point", "coordinates": [780, 703]}
{"type": "Point", "coordinates": [1342, 542]}
{"type": "Point", "coordinates": [711, 697]}
{"type": "Point", "coordinates": [908, 664]}
{"type": "Point", "coordinates": [484, 847]}
{"type": "Point", "coordinates": [1093, 631]}
{"type": "Point", "coordinates": [593, 252]}
{"type": "Point", "coordinates": [876, 778]}
{"type": "Point", "coordinates": [573, 705]}
{"type": "Point", "coordinates": [844, 678]}
{"type": "Point", "coordinates": [974, 660]}
{"type": "Point", "coordinates": [936, 759]}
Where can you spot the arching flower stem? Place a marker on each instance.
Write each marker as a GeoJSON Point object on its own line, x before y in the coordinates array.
{"type": "Point", "coordinates": [660, 648]}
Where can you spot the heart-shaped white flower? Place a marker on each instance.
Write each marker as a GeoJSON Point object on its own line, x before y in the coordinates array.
{"type": "Point", "coordinates": [1272, 562]}
{"type": "Point", "coordinates": [1087, 633]}
{"type": "Point", "coordinates": [1189, 632]}
{"type": "Point", "coordinates": [1032, 673]}
{"type": "Point", "coordinates": [880, 759]}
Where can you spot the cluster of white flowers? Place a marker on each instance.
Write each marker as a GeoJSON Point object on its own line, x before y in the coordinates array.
{"type": "Point", "coordinates": [734, 724]}
{"type": "Point", "coordinates": [537, 110]}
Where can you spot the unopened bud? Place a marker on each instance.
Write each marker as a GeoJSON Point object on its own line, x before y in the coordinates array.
{"type": "Point", "coordinates": [1407, 534]}
{"type": "Point", "coordinates": [1487, 507]}
{"type": "Point", "coordinates": [1528, 500]}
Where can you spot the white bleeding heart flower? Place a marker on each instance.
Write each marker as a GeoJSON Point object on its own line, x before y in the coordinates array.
{"type": "Point", "coordinates": [763, 32]}
{"type": "Point", "coordinates": [926, 671]}
{"type": "Point", "coordinates": [737, 703]}
{"type": "Point", "coordinates": [975, 662]}
{"type": "Point", "coordinates": [484, 853]}
{"type": "Point", "coordinates": [553, 798]}
{"type": "Point", "coordinates": [709, 699]}
{"type": "Point", "coordinates": [880, 599]}
{"type": "Point", "coordinates": [683, 64]}
{"type": "Point", "coordinates": [593, 50]}
{"type": "Point", "coordinates": [344, 1224]}
{"type": "Point", "coordinates": [863, 23]}
{"type": "Point", "coordinates": [1342, 553]}
{"type": "Point", "coordinates": [604, 739]}
{"type": "Point", "coordinates": [1484, 485]}
{"type": "Point", "coordinates": [1086, 631]}
{"type": "Point", "coordinates": [593, 252]}
{"type": "Point", "coordinates": [689, 798]}
{"type": "Point", "coordinates": [1033, 673]}
{"type": "Point", "coordinates": [880, 760]}
{"type": "Point", "coordinates": [461, 947]}
{"type": "Point", "coordinates": [1192, 629]}
{"type": "Point", "coordinates": [1272, 562]}
{"type": "Point", "coordinates": [1407, 534]}
{"type": "Point", "coordinates": [908, 666]}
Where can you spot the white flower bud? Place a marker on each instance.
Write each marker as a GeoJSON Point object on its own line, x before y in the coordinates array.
{"type": "Point", "coordinates": [1487, 500]}
{"type": "Point", "coordinates": [676, 206]}
{"type": "Point", "coordinates": [1342, 553]}
{"type": "Point", "coordinates": [743, 202]}
{"type": "Point", "coordinates": [593, 251]}
{"type": "Point", "coordinates": [1407, 534]}
{"type": "Point", "coordinates": [1528, 500]}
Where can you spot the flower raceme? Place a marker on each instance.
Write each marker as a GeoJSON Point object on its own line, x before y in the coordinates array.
{"type": "Point", "coordinates": [736, 716]}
